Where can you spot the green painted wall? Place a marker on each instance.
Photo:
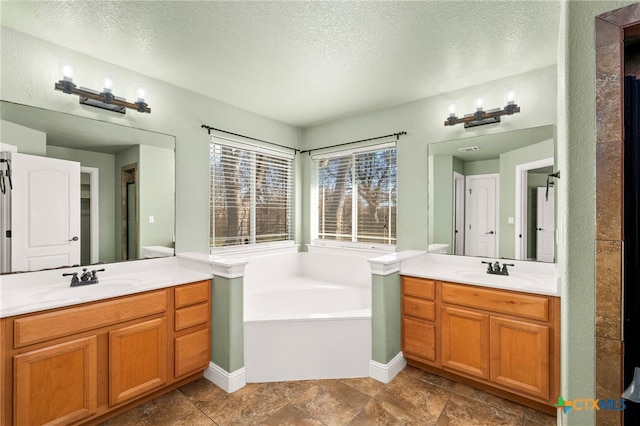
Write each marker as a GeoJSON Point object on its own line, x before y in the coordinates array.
{"type": "Point", "coordinates": [481, 167]}
{"type": "Point", "coordinates": [157, 196]}
{"type": "Point", "coordinates": [442, 203]}
{"type": "Point", "coordinates": [28, 141]}
{"type": "Point", "coordinates": [227, 327]}
{"type": "Point", "coordinates": [385, 312]}
{"type": "Point", "coordinates": [576, 200]}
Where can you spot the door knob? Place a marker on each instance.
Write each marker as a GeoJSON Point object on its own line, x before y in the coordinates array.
{"type": "Point", "coordinates": [491, 232]}
{"type": "Point", "coordinates": [539, 229]}
{"type": "Point", "coordinates": [74, 238]}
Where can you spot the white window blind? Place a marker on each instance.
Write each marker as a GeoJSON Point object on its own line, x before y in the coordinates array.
{"type": "Point", "coordinates": [357, 195]}
{"type": "Point", "coordinates": [251, 195]}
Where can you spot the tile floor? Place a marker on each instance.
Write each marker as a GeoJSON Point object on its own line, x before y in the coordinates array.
{"type": "Point", "coordinates": [414, 397]}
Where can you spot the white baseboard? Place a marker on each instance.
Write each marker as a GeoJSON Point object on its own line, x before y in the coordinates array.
{"type": "Point", "coordinates": [228, 382]}
{"type": "Point", "coordinates": [386, 372]}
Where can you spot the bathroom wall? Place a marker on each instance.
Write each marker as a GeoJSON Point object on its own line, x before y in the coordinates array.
{"type": "Point", "coordinates": [576, 206]}
{"type": "Point", "coordinates": [423, 121]}
{"type": "Point", "coordinates": [30, 66]}
{"type": "Point", "coordinates": [157, 176]}
{"type": "Point", "coordinates": [27, 140]}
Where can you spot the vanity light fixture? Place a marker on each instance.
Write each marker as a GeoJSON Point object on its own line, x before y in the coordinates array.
{"type": "Point", "coordinates": [104, 98]}
{"type": "Point", "coordinates": [482, 117]}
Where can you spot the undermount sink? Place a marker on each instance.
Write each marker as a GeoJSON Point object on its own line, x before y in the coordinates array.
{"type": "Point", "coordinates": [520, 280]}
{"type": "Point", "coordinates": [105, 286]}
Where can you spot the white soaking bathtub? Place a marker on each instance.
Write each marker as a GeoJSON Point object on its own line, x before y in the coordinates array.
{"type": "Point", "coordinates": [307, 316]}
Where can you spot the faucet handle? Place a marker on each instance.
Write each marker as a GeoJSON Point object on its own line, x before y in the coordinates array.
{"type": "Point", "coordinates": [93, 272]}
{"type": "Point", "coordinates": [489, 266]}
{"type": "Point", "coordinates": [504, 266]}
{"type": "Point", "coordinates": [74, 278]}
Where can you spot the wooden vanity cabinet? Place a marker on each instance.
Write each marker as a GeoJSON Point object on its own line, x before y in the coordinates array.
{"type": "Point", "coordinates": [419, 319]}
{"type": "Point", "coordinates": [502, 340]}
{"type": "Point", "coordinates": [86, 363]}
{"type": "Point", "coordinates": [192, 328]}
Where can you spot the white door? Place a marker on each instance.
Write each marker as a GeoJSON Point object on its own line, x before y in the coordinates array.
{"type": "Point", "coordinates": [481, 215]}
{"type": "Point", "coordinates": [45, 213]}
{"type": "Point", "coordinates": [458, 208]}
{"type": "Point", "coordinates": [545, 226]}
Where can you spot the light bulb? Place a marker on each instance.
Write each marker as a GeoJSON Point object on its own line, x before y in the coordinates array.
{"type": "Point", "coordinates": [511, 97]}
{"type": "Point", "coordinates": [141, 93]}
{"type": "Point", "coordinates": [479, 104]}
{"type": "Point", "coordinates": [452, 110]}
{"type": "Point", "coordinates": [107, 85]}
{"type": "Point", "coordinates": [67, 73]}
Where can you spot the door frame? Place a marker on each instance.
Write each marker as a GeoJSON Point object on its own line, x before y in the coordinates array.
{"type": "Point", "coordinates": [458, 212]}
{"type": "Point", "coordinates": [94, 209]}
{"type": "Point", "coordinates": [521, 203]}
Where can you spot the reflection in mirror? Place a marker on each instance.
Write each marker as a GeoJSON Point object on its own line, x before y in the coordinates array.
{"type": "Point", "coordinates": [488, 195]}
{"type": "Point", "coordinates": [84, 191]}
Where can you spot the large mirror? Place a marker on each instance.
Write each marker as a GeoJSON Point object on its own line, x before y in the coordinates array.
{"type": "Point", "coordinates": [83, 191]}
{"type": "Point", "coordinates": [488, 195]}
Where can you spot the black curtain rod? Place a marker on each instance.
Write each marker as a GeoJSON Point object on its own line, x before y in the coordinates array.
{"type": "Point", "coordinates": [209, 129]}
{"type": "Point", "coordinates": [397, 135]}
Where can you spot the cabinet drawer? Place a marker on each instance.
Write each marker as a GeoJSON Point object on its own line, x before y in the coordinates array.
{"type": "Point", "coordinates": [418, 287]}
{"type": "Point", "coordinates": [419, 339]}
{"type": "Point", "coordinates": [191, 315]}
{"type": "Point", "coordinates": [192, 352]}
{"type": "Point", "coordinates": [42, 327]}
{"type": "Point", "coordinates": [192, 293]}
{"type": "Point", "coordinates": [523, 305]}
{"type": "Point", "coordinates": [418, 308]}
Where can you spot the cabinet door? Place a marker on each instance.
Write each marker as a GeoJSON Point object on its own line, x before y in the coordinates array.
{"type": "Point", "coordinates": [137, 360]}
{"type": "Point", "coordinates": [57, 384]}
{"type": "Point", "coordinates": [418, 339]}
{"type": "Point", "coordinates": [465, 341]}
{"type": "Point", "coordinates": [192, 352]}
{"type": "Point", "coordinates": [520, 356]}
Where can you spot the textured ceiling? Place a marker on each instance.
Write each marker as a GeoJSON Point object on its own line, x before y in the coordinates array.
{"type": "Point", "coordinates": [304, 62]}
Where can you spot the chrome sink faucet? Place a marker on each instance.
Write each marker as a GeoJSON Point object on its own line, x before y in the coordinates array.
{"type": "Point", "coordinates": [494, 268]}
{"type": "Point", "coordinates": [86, 277]}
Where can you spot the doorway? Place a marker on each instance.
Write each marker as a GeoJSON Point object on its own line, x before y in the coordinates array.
{"type": "Point", "coordinates": [529, 177]}
{"type": "Point", "coordinates": [481, 218]}
{"type": "Point", "coordinates": [89, 216]}
{"type": "Point", "coordinates": [129, 209]}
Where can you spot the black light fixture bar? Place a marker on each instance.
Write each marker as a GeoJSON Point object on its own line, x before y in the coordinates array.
{"type": "Point", "coordinates": [480, 117]}
{"type": "Point", "coordinates": [104, 100]}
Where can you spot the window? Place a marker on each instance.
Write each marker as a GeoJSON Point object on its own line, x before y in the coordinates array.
{"type": "Point", "coordinates": [251, 197]}
{"type": "Point", "coordinates": [357, 195]}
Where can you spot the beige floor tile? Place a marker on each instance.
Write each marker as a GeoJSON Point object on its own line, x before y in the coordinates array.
{"type": "Point", "coordinates": [490, 399]}
{"type": "Point", "coordinates": [414, 397]}
{"type": "Point", "coordinates": [538, 417]}
{"type": "Point", "coordinates": [381, 413]}
{"type": "Point", "coordinates": [422, 400]}
{"type": "Point", "coordinates": [164, 410]}
{"type": "Point", "coordinates": [252, 404]}
{"type": "Point", "coordinates": [332, 402]}
{"type": "Point", "coordinates": [464, 411]}
{"type": "Point", "coordinates": [364, 384]}
{"type": "Point", "coordinates": [291, 416]}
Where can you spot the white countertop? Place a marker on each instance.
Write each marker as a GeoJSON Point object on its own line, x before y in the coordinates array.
{"type": "Point", "coordinates": [525, 276]}
{"type": "Point", "coordinates": [23, 293]}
